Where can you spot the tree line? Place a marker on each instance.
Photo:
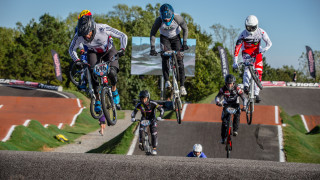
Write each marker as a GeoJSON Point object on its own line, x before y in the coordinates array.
{"type": "Point", "coordinates": [25, 53]}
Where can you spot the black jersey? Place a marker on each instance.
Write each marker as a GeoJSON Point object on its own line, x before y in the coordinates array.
{"type": "Point", "coordinates": [148, 111]}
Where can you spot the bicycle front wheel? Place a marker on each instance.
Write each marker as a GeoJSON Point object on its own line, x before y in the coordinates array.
{"type": "Point", "coordinates": [108, 106]}
{"type": "Point", "coordinates": [249, 112]}
{"type": "Point", "coordinates": [255, 77]}
{"type": "Point", "coordinates": [178, 110]}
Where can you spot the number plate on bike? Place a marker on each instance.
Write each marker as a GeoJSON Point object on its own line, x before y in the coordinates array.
{"type": "Point", "coordinates": [101, 69]}
{"type": "Point", "coordinates": [231, 110]}
{"type": "Point", "coordinates": [145, 122]}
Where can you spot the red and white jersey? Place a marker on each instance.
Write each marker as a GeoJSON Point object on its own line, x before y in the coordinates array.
{"type": "Point", "coordinates": [251, 43]}
{"type": "Point", "coordinates": [101, 42]}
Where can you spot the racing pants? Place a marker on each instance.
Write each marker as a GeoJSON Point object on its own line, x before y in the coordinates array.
{"type": "Point", "coordinates": [153, 131]}
{"type": "Point", "coordinates": [225, 117]}
{"type": "Point", "coordinates": [167, 44]}
{"type": "Point", "coordinates": [246, 75]}
{"type": "Point", "coordinates": [94, 58]}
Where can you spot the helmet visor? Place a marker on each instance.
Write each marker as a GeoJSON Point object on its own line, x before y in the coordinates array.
{"type": "Point", "coordinates": [251, 28]}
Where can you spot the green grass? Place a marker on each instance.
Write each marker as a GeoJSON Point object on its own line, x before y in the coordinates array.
{"type": "Point", "coordinates": [208, 99]}
{"type": "Point", "coordinates": [35, 137]}
{"type": "Point", "coordinates": [118, 145]}
{"type": "Point", "coordinates": [300, 146]}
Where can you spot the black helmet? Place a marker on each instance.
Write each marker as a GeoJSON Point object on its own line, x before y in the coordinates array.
{"type": "Point", "coordinates": [229, 79]}
{"type": "Point", "coordinates": [86, 24]}
{"type": "Point", "coordinates": [144, 94]}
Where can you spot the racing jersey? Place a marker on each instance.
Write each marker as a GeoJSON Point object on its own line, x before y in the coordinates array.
{"type": "Point", "coordinates": [231, 97]}
{"type": "Point", "coordinates": [147, 111]}
{"type": "Point", "coordinates": [169, 31]}
{"type": "Point", "coordinates": [202, 155]}
{"type": "Point", "coordinates": [101, 42]}
{"type": "Point", "coordinates": [250, 44]}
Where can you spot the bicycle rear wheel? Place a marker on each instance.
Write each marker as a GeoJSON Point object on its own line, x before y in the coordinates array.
{"type": "Point", "coordinates": [178, 110]}
{"type": "Point", "coordinates": [92, 111]}
{"type": "Point", "coordinates": [229, 141]}
{"type": "Point", "coordinates": [75, 73]}
{"type": "Point", "coordinates": [176, 65]}
{"type": "Point", "coordinates": [249, 112]}
{"type": "Point", "coordinates": [255, 77]}
{"type": "Point", "coordinates": [108, 106]}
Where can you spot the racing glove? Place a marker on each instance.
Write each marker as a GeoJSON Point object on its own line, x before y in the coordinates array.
{"type": "Point", "coordinates": [185, 46]}
{"type": "Point", "coordinates": [159, 119]}
{"type": "Point", "coordinates": [121, 52]}
{"type": "Point", "coordinates": [218, 103]}
{"type": "Point", "coordinates": [235, 63]}
{"type": "Point", "coordinates": [133, 119]}
{"type": "Point", "coordinates": [153, 52]}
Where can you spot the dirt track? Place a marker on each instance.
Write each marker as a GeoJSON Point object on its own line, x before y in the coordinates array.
{"type": "Point", "coordinates": [47, 110]}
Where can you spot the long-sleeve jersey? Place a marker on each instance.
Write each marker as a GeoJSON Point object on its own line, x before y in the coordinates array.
{"type": "Point", "coordinates": [251, 43]}
{"type": "Point", "coordinates": [147, 111]}
{"type": "Point", "coordinates": [101, 42]}
{"type": "Point", "coordinates": [231, 97]}
{"type": "Point", "coordinates": [170, 31]}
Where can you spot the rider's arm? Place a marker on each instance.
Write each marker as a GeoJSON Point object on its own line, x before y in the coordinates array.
{"type": "Point", "coordinates": [160, 109]}
{"type": "Point", "coordinates": [202, 155]}
{"type": "Point", "coordinates": [219, 95]}
{"type": "Point", "coordinates": [183, 26]}
{"type": "Point", "coordinates": [239, 43]}
{"type": "Point", "coordinates": [154, 30]}
{"type": "Point", "coordinates": [267, 40]}
{"type": "Point", "coordinates": [134, 112]}
{"type": "Point", "coordinates": [241, 94]}
{"type": "Point", "coordinates": [117, 34]}
{"type": "Point", "coordinates": [73, 47]}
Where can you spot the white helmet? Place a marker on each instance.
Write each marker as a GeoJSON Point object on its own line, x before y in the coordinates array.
{"type": "Point", "coordinates": [197, 148]}
{"type": "Point", "coordinates": [251, 24]}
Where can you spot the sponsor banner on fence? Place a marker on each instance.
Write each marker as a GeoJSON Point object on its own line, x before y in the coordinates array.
{"type": "Point", "coordinates": [30, 84]}
{"type": "Point", "coordinates": [273, 83]}
{"type": "Point", "coordinates": [294, 84]}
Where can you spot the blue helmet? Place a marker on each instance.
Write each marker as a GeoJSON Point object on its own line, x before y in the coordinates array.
{"type": "Point", "coordinates": [166, 12]}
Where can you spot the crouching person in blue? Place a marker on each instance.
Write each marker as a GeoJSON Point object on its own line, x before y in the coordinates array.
{"type": "Point", "coordinates": [197, 152]}
{"type": "Point", "coordinates": [148, 112]}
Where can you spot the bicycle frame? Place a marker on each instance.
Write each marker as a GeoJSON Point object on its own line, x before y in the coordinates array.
{"type": "Point", "coordinates": [146, 140]}
{"type": "Point", "coordinates": [175, 87]}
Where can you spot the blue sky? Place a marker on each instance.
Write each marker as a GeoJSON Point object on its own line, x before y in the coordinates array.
{"type": "Point", "coordinates": [290, 24]}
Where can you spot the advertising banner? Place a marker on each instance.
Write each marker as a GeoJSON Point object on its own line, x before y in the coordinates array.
{"type": "Point", "coordinates": [56, 64]}
{"type": "Point", "coordinates": [224, 61]}
{"type": "Point", "coordinates": [144, 64]}
{"type": "Point", "coordinates": [311, 62]}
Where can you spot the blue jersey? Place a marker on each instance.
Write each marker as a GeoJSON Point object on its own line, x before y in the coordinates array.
{"type": "Point", "coordinates": [202, 155]}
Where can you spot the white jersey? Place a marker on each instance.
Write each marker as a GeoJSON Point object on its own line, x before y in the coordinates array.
{"type": "Point", "coordinates": [252, 43]}
{"type": "Point", "coordinates": [101, 42]}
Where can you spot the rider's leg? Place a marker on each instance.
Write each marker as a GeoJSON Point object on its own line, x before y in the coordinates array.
{"type": "Point", "coordinates": [176, 45]}
{"type": "Point", "coordinates": [165, 45]}
{"type": "Point", "coordinates": [224, 125]}
{"type": "Point", "coordinates": [92, 59]}
{"type": "Point", "coordinates": [114, 79]}
{"type": "Point", "coordinates": [154, 133]}
{"type": "Point", "coordinates": [259, 69]}
{"type": "Point", "coordinates": [236, 121]}
{"type": "Point", "coordinates": [140, 137]}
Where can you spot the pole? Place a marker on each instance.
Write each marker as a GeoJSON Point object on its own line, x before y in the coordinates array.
{"type": "Point", "coordinates": [162, 88]}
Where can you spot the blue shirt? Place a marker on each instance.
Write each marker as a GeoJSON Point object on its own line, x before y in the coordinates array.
{"type": "Point", "coordinates": [202, 155]}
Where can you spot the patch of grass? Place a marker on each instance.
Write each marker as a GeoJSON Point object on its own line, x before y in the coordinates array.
{"type": "Point", "coordinates": [208, 99]}
{"type": "Point", "coordinates": [118, 145]}
{"type": "Point", "coordinates": [299, 145]}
